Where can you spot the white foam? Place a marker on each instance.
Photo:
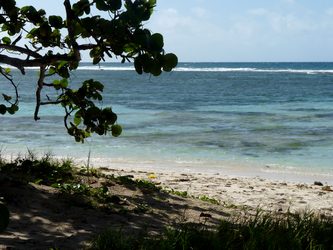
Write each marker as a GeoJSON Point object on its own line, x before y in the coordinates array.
{"type": "Point", "coordinates": [112, 68]}
{"type": "Point", "coordinates": [217, 69]}
{"type": "Point", "coordinates": [223, 69]}
{"type": "Point", "coordinates": [205, 69]}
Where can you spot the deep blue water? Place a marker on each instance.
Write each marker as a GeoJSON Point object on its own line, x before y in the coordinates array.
{"type": "Point", "coordinates": [258, 116]}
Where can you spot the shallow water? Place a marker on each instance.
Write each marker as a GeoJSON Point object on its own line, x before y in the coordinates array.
{"type": "Point", "coordinates": [250, 118]}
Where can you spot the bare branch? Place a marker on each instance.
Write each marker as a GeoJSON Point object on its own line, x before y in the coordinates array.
{"type": "Point", "coordinates": [48, 84]}
{"type": "Point", "coordinates": [38, 91]}
{"type": "Point", "coordinates": [17, 63]}
{"type": "Point", "coordinates": [86, 46]}
{"type": "Point", "coordinates": [50, 102]}
{"type": "Point", "coordinates": [21, 50]}
{"type": "Point", "coordinates": [13, 84]}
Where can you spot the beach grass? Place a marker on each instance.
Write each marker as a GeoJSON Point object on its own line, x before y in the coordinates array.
{"type": "Point", "coordinates": [262, 231]}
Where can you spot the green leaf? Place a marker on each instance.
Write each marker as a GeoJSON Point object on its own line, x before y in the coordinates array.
{"type": "Point", "coordinates": [141, 37]}
{"type": "Point", "coordinates": [63, 83]}
{"type": "Point", "coordinates": [7, 98]}
{"type": "Point", "coordinates": [156, 42]}
{"type": "Point", "coordinates": [96, 60]}
{"type": "Point", "coordinates": [63, 71]}
{"type": "Point", "coordinates": [41, 12]}
{"type": "Point", "coordinates": [129, 47]}
{"type": "Point", "coordinates": [95, 52]}
{"type": "Point", "coordinates": [32, 14]}
{"type": "Point", "coordinates": [114, 4]}
{"type": "Point", "coordinates": [3, 109]}
{"type": "Point", "coordinates": [109, 115]}
{"type": "Point", "coordinates": [56, 22]}
{"type": "Point", "coordinates": [147, 63]}
{"type": "Point", "coordinates": [101, 5]}
{"type": "Point", "coordinates": [52, 70]}
{"type": "Point", "coordinates": [156, 69]}
{"type": "Point", "coordinates": [138, 66]}
{"type": "Point", "coordinates": [81, 7]}
{"type": "Point", "coordinates": [152, 3]}
{"type": "Point", "coordinates": [77, 118]}
{"type": "Point", "coordinates": [11, 110]}
{"type": "Point", "coordinates": [170, 61]}
{"type": "Point", "coordinates": [57, 84]}
{"type": "Point", "coordinates": [7, 71]}
{"type": "Point", "coordinates": [6, 40]}
{"type": "Point", "coordinates": [95, 85]}
{"type": "Point", "coordinates": [116, 130]}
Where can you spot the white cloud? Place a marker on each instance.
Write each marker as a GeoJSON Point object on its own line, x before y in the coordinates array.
{"type": "Point", "coordinates": [249, 34]}
{"type": "Point", "coordinates": [194, 24]}
{"type": "Point", "coordinates": [190, 35]}
{"type": "Point", "coordinates": [281, 22]}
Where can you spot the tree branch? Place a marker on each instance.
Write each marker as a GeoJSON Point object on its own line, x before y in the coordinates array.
{"type": "Point", "coordinates": [17, 63]}
{"type": "Point", "coordinates": [50, 102]}
{"type": "Point", "coordinates": [21, 50]}
{"type": "Point", "coordinates": [38, 91]}
{"type": "Point", "coordinates": [13, 84]}
{"type": "Point", "coordinates": [86, 46]}
{"type": "Point", "coordinates": [71, 29]}
{"type": "Point", "coordinates": [39, 62]}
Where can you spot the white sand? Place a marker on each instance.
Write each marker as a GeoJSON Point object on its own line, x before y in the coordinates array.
{"type": "Point", "coordinates": [251, 192]}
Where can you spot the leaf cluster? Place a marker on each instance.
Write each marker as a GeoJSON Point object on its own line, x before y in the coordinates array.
{"type": "Point", "coordinates": [94, 119]}
{"type": "Point", "coordinates": [54, 44]}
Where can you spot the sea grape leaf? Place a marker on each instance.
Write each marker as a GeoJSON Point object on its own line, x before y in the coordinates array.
{"type": "Point", "coordinates": [156, 42]}
{"type": "Point", "coordinates": [170, 61]}
{"type": "Point", "coordinates": [116, 130]}
{"type": "Point", "coordinates": [7, 98]}
{"type": "Point", "coordinates": [56, 21]}
{"type": "Point", "coordinates": [114, 4]}
{"type": "Point", "coordinates": [6, 40]}
{"type": "Point", "coordinates": [3, 109]}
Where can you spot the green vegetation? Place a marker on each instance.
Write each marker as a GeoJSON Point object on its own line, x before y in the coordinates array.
{"type": "Point", "coordinates": [183, 194]}
{"type": "Point", "coordinates": [263, 231]}
{"type": "Point", "coordinates": [72, 182]}
{"type": "Point", "coordinates": [46, 170]}
{"type": "Point", "coordinates": [89, 187]}
{"type": "Point", "coordinates": [142, 184]}
{"type": "Point", "coordinates": [55, 44]}
{"type": "Point", "coordinates": [208, 199]}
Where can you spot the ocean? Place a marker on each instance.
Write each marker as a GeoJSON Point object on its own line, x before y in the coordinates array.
{"type": "Point", "coordinates": [272, 120]}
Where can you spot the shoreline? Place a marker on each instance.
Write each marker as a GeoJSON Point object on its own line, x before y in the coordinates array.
{"type": "Point", "coordinates": [228, 168]}
{"type": "Point", "coordinates": [231, 167]}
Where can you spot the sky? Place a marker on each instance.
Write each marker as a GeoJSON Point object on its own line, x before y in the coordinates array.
{"type": "Point", "coordinates": [240, 30]}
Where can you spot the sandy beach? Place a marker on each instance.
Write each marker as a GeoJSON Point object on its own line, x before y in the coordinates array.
{"type": "Point", "coordinates": [42, 216]}
{"type": "Point", "coordinates": [246, 192]}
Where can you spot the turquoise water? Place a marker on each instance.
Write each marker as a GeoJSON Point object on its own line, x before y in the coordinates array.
{"type": "Point", "coordinates": [245, 118]}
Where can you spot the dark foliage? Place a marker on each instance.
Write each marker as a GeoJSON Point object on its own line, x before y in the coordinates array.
{"type": "Point", "coordinates": [54, 44]}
